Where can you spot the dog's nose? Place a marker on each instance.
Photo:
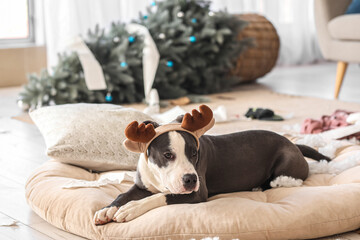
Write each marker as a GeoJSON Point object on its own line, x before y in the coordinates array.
{"type": "Point", "coordinates": [189, 181]}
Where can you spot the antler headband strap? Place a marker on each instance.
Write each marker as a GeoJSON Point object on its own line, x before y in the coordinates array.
{"type": "Point", "coordinates": [140, 136]}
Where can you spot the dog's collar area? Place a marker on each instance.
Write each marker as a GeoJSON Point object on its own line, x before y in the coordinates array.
{"type": "Point", "coordinates": [168, 128]}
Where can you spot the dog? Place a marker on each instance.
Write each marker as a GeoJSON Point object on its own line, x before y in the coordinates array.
{"type": "Point", "coordinates": [179, 164]}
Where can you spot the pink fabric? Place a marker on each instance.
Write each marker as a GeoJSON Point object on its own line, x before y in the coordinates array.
{"type": "Point", "coordinates": [335, 120]}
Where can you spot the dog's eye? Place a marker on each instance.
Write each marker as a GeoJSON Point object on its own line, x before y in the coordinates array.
{"type": "Point", "coordinates": [194, 153]}
{"type": "Point", "coordinates": [169, 155]}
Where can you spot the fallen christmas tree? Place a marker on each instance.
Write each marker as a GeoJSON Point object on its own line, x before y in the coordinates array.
{"type": "Point", "coordinates": [197, 50]}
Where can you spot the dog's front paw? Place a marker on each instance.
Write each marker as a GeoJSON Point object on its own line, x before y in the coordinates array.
{"type": "Point", "coordinates": [128, 212]}
{"type": "Point", "coordinates": [104, 215]}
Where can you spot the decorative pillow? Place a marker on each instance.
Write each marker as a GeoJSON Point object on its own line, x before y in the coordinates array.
{"type": "Point", "coordinates": [88, 135]}
{"type": "Point", "coordinates": [354, 7]}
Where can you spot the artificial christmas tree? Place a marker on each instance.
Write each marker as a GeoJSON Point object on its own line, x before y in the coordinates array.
{"type": "Point", "coordinates": [197, 50]}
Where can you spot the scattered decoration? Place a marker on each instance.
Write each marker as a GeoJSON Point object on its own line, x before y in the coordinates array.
{"type": "Point", "coordinates": [194, 20]}
{"type": "Point", "coordinates": [123, 64]}
{"type": "Point", "coordinates": [263, 114]}
{"type": "Point", "coordinates": [192, 39]}
{"type": "Point", "coordinates": [8, 222]}
{"type": "Point", "coordinates": [180, 101]}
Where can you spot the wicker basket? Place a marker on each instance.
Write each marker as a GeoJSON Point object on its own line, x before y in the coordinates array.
{"type": "Point", "coordinates": [258, 60]}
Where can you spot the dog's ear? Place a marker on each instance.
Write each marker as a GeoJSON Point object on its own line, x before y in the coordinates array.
{"type": "Point", "coordinates": [155, 124]}
{"type": "Point", "coordinates": [199, 122]}
{"type": "Point", "coordinates": [138, 136]}
{"type": "Point", "coordinates": [132, 146]}
{"type": "Point", "coordinates": [178, 119]}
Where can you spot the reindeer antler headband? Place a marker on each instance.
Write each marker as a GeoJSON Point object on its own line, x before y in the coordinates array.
{"type": "Point", "coordinates": [140, 136]}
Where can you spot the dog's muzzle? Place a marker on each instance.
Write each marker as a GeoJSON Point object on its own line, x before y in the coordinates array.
{"type": "Point", "coordinates": [189, 181]}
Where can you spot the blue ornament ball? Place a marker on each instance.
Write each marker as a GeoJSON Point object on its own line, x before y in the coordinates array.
{"type": "Point", "coordinates": [108, 97]}
{"type": "Point", "coordinates": [153, 3]}
{"type": "Point", "coordinates": [170, 63]}
{"type": "Point", "coordinates": [131, 39]}
{"type": "Point", "coordinates": [192, 39]}
{"type": "Point", "coordinates": [194, 20]}
{"type": "Point", "coordinates": [145, 17]}
{"type": "Point", "coordinates": [123, 64]}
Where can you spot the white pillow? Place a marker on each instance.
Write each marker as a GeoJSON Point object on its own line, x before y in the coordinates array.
{"type": "Point", "coordinates": [88, 135]}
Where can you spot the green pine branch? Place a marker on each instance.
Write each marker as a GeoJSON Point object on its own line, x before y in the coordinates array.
{"type": "Point", "coordinates": [197, 50]}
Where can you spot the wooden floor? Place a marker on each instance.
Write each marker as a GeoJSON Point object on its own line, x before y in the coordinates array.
{"type": "Point", "coordinates": [22, 148]}
{"type": "Point", "coordinates": [315, 81]}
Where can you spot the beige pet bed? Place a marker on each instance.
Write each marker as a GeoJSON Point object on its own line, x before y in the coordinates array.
{"type": "Point", "coordinates": [325, 205]}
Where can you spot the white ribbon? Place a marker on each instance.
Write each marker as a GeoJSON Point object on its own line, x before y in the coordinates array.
{"type": "Point", "coordinates": [94, 76]}
{"type": "Point", "coordinates": [150, 58]}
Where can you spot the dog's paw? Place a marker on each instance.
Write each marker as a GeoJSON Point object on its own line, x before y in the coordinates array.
{"type": "Point", "coordinates": [128, 212]}
{"type": "Point", "coordinates": [257, 189]}
{"type": "Point", "coordinates": [286, 181]}
{"type": "Point", "coordinates": [104, 215]}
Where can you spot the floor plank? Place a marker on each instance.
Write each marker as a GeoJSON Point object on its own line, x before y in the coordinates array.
{"type": "Point", "coordinates": [316, 80]}
{"type": "Point", "coordinates": [54, 232]}
{"type": "Point", "coordinates": [13, 202]}
{"type": "Point", "coordinates": [19, 231]}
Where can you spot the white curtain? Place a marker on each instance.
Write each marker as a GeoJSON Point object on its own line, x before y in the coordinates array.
{"type": "Point", "coordinates": [293, 20]}
{"type": "Point", "coordinates": [65, 19]}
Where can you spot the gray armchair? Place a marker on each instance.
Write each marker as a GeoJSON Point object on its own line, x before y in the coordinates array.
{"type": "Point", "coordinates": [338, 35]}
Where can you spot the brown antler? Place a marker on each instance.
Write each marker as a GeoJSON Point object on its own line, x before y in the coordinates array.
{"type": "Point", "coordinates": [198, 119]}
{"type": "Point", "coordinates": [140, 133]}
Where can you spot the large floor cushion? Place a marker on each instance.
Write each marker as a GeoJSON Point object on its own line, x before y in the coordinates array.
{"type": "Point", "coordinates": [325, 205]}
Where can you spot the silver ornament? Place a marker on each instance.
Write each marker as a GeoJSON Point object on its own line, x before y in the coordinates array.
{"type": "Point", "coordinates": [211, 13]}
{"type": "Point", "coordinates": [53, 92]}
{"type": "Point", "coordinates": [62, 85]}
{"type": "Point", "coordinates": [39, 103]}
{"type": "Point", "coordinates": [162, 36]}
{"type": "Point", "coordinates": [116, 39]}
{"type": "Point", "coordinates": [46, 98]}
{"type": "Point", "coordinates": [23, 106]}
{"type": "Point", "coordinates": [180, 14]}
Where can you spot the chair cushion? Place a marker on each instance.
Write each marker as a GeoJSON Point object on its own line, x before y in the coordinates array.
{"type": "Point", "coordinates": [345, 27]}
{"type": "Point", "coordinates": [327, 204]}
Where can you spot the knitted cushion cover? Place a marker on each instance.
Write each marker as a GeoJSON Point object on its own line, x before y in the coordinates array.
{"type": "Point", "coordinates": [88, 135]}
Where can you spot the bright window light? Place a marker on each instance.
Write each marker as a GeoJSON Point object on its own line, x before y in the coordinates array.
{"type": "Point", "coordinates": [14, 20]}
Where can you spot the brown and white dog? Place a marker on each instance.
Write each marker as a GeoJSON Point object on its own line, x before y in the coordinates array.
{"type": "Point", "coordinates": [180, 165]}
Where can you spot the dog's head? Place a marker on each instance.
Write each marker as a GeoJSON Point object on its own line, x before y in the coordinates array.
{"type": "Point", "coordinates": [172, 149]}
